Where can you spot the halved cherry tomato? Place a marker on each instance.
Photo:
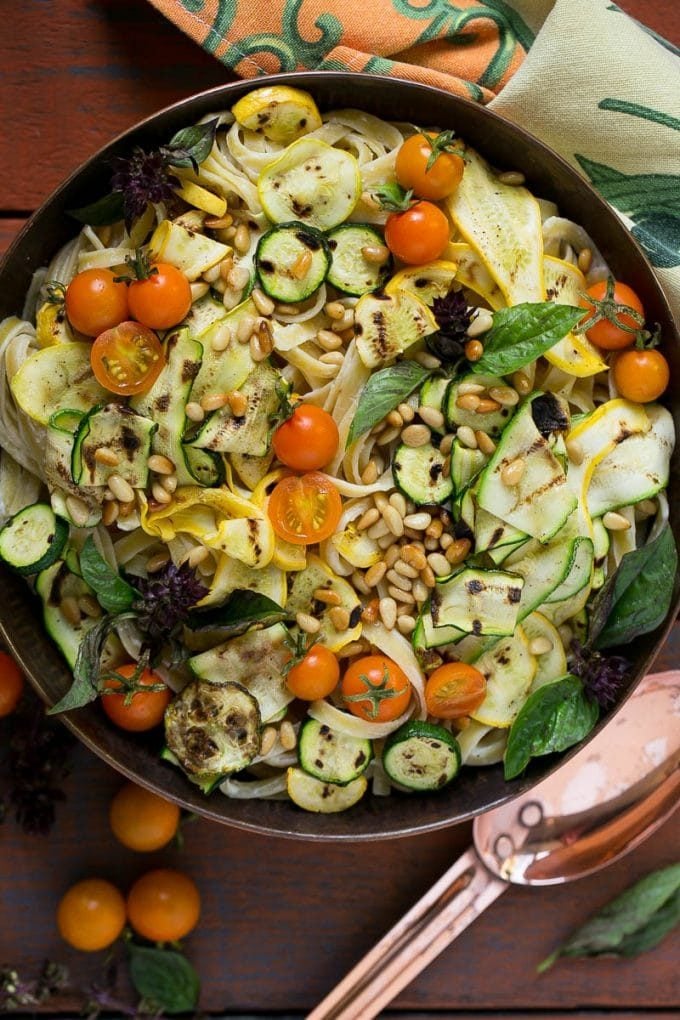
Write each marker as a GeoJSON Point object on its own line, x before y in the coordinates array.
{"type": "Point", "coordinates": [141, 820]}
{"type": "Point", "coordinates": [95, 302]}
{"type": "Point", "coordinates": [376, 689]}
{"type": "Point", "coordinates": [307, 440]}
{"type": "Point", "coordinates": [443, 177]}
{"type": "Point", "coordinates": [417, 235]}
{"type": "Point", "coordinates": [11, 684]}
{"type": "Point", "coordinates": [606, 334]}
{"type": "Point", "coordinates": [454, 690]}
{"type": "Point", "coordinates": [164, 905]}
{"type": "Point", "coordinates": [162, 299]}
{"type": "Point", "coordinates": [127, 359]}
{"type": "Point", "coordinates": [145, 709]}
{"type": "Point", "coordinates": [91, 915]}
{"type": "Point", "coordinates": [315, 676]}
{"type": "Point", "coordinates": [641, 375]}
{"type": "Point", "coordinates": [305, 509]}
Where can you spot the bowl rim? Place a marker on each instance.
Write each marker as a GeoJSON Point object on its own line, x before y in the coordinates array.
{"type": "Point", "coordinates": [225, 94]}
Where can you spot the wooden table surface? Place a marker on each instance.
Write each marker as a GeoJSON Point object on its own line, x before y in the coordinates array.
{"type": "Point", "coordinates": [282, 921]}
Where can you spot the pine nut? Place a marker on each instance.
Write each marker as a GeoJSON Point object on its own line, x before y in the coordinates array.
{"type": "Point", "coordinates": [332, 358]}
{"type": "Point", "coordinates": [405, 569]}
{"type": "Point", "coordinates": [339, 617]}
{"type": "Point", "coordinates": [391, 556]}
{"type": "Point", "coordinates": [427, 576]}
{"type": "Point", "coordinates": [121, 489]}
{"type": "Point", "coordinates": [198, 290]}
{"type": "Point", "coordinates": [221, 339]}
{"type": "Point", "coordinates": [110, 513]}
{"type": "Point", "coordinates": [486, 406]}
{"type": "Point", "coordinates": [302, 265]}
{"type": "Point", "coordinates": [615, 522]}
{"type": "Point", "coordinates": [394, 521]}
{"type": "Point", "coordinates": [522, 383]}
{"type": "Point", "coordinates": [264, 304]}
{"type": "Point", "coordinates": [78, 510]}
{"type": "Point", "coordinates": [256, 352]}
{"type": "Point", "coordinates": [418, 521]}
{"type": "Point", "coordinates": [89, 606]}
{"type": "Point", "coordinates": [446, 540]}
{"type": "Point", "coordinates": [511, 473]}
{"type": "Point", "coordinates": [346, 322]}
{"type": "Point", "coordinates": [458, 550]}
{"type": "Point", "coordinates": [380, 500]}
{"type": "Point", "coordinates": [474, 350]}
{"type": "Point", "coordinates": [435, 529]}
{"type": "Point", "coordinates": [127, 508]}
{"type": "Point", "coordinates": [368, 519]}
{"type": "Point", "coordinates": [480, 323]}
{"type": "Point", "coordinates": [376, 254]}
{"type": "Point", "coordinates": [468, 402]}
{"type": "Point", "coordinates": [439, 564]}
{"type": "Point", "coordinates": [413, 557]}
{"type": "Point", "coordinates": [160, 494]}
{"type": "Point", "coordinates": [104, 455]}
{"type": "Point", "coordinates": [369, 613]}
{"type": "Point", "coordinates": [404, 583]}
{"type": "Point", "coordinates": [359, 583]}
{"type": "Point", "coordinates": [213, 401]}
{"type": "Point", "coordinates": [446, 445]}
{"type": "Point", "coordinates": [575, 451]}
{"type": "Point", "coordinates": [420, 591]}
{"type": "Point", "coordinates": [399, 503]}
{"type": "Point", "coordinates": [387, 608]}
{"type": "Point", "coordinates": [212, 275]}
{"type": "Point", "coordinates": [194, 411]}
{"type": "Point", "coordinates": [287, 309]}
{"type": "Point", "coordinates": [328, 340]}
{"type": "Point", "coordinates": [504, 395]}
{"type": "Point", "coordinates": [416, 435]}
{"type": "Point", "coordinates": [470, 387]}
{"type": "Point", "coordinates": [70, 611]}
{"type": "Point", "coordinates": [334, 309]}
{"type": "Point", "coordinates": [370, 473]}
{"type": "Point", "coordinates": [394, 418]}
{"type": "Point", "coordinates": [540, 646]}
{"type": "Point", "coordinates": [327, 596]}
{"type": "Point", "coordinates": [400, 595]}
{"type": "Point", "coordinates": [267, 740]}
{"type": "Point", "coordinates": [287, 737]}
{"type": "Point", "coordinates": [307, 623]}
{"type": "Point", "coordinates": [432, 417]}
{"type": "Point", "coordinates": [244, 328]}
{"type": "Point", "coordinates": [647, 507]}
{"type": "Point", "coordinates": [242, 238]}
{"type": "Point", "coordinates": [218, 222]}
{"type": "Point", "coordinates": [239, 277]}
{"type": "Point", "coordinates": [353, 648]}
{"type": "Point", "coordinates": [230, 298]}
{"type": "Point", "coordinates": [226, 266]}
{"type": "Point", "coordinates": [378, 530]}
{"type": "Point", "coordinates": [431, 544]}
{"type": "Point", "coordinates": [406, 624]}
{"type": "Point", "coordinates": [485, 442]}
{"type": "Point", "coordinates": [585, 259]}
{"type": "Point", "coordinates": [264, 335]}
{"type": "Point", "coordinates": [427, 360]}
{"type": "Point", "coordinates": [467, 437]}
{"type": "Point", "coordinates": [406, 412]}
{"type": "Point", "coordinates": [511, 177]}
{"type": "Point", "coordinates": [157, 562]}
{"type": "Point", "coordinates": [238, 403]}
{"type": "Point", "coordinates": [388, 436]}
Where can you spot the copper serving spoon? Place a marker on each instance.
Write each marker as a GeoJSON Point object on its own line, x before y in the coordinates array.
{"type": "Point", "coordinates": [597, 807]}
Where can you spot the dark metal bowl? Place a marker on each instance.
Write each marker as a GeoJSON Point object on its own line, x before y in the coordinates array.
{"type": "Point", "coordinates": [507, 147]}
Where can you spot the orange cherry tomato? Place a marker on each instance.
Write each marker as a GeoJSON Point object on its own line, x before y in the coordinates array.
{"type": "Point", "coordinates": [141, 820]}
{"type": "Point", "coordinates": [11, 684]}
{"type": "Point", "coordinates": [641, 375]}
{"type": "Point", "coordinates": [95, 302]}
{"type": "Point", "coordinates": [162, 299]}
{"type": "Point", "coordinates": [454, 690]}
{"type": "Point", "coordinates": [376, 689]}
{"type": "Point", "coordinates": [443, 177]}
{"type": "Point", "coordinates": [305, 509]}
{"type": "Point", "coordinates": [164, 905]}
{"type": "Point", "coordinates": [606, 334]}
{"type": "Point", "coordinates": [307, 440]}
{"type": "Point", "coordinates": [127, 359]}
{"type": "Point", "coordinates": [91, 915]}
{"type": "Point", "coordinates": [315, 676]}
{"type": "Point", "coordinates": [417, 235]}
{"type": "Point", "coordinates": [145, 708]}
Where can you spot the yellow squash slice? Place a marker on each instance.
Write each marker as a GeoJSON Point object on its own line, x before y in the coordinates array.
{"type": "Point", "coordinates": [279, 112]}
{"type": "Point", "coordinates": [427, 282]}
{"type": "Point", "coordinates": [201, 198]}
{"type": "Point", "coordinates": [312, 183]}
{"type": "Point", "coordinates": [564, 283]}
{"type": "Point", "coordinates": [52, 326]}
{"type": "Point", "coordinates": [185, 249]}
{"type": "Point", "coordinates": [474, 275]}
{"type": "Point", "coordinates": [509, 668]}
{"type": "Point", "coordinates": [56, 377]}
{"type": "Point", "coordinates": [386, 325]}
{"type": "Point", "coordinates": [323, 798]}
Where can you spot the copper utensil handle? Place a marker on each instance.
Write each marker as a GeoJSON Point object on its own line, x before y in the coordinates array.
{"type": "Point", "coordinates": [446, 909]}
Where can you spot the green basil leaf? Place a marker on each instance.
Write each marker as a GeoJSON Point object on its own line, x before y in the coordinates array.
{"type": "Point", "coordinates": [381, 394]}
{"type": "Point", "coordinates": [114, 594]}
{"type": "Point", "coordinates": [553, 718]}
{"type": "Point", "coordinates": [85, 686]}
{"type": "Point", "coordinates": [103, 212]}
{"type": "Point", "coordinates": [243, 609]}
{"type": "Point", "coordinates": [636, 598]}
{"type": "Point", "coordinates": [635, 921]}
{"type": "Point", "coordinates": [191, 146]}
{"type": "Point", "coordinates": [522, 333]}
{"type": "Point", "coordinates": [164, 978]}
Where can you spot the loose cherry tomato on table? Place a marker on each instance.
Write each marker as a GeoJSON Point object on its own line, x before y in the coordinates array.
{"type": "Point", "coordinates": [95, 302]}
{"type": "Point", "coordinates": [315, 676]}
{"type": "Point", "coordinates": [161, 299]}
{"type": "Point", "coordinates": [454, 690]}
{"type": "Point", "coordinates": [305, 509]}
{"type": "Point", "coordinates": [444, 173]}
{"type": "Point", "coordinates": [418, 235]}
{"type": "Point", "coordinates": [641, 375]}
{"type": "Point", "coordinates": [127, 359]}
{"type": "Point", "coordinates": [91, 915]}
{"type": "Point", "coordinates": [141, 820]}
{"type": "Point", "coordinates": [376, 689]}
{"type": "Point", "coordinates": [164, 905]}
{"type": "Point", "coordinates": [11, 684]}
{"type": "Point", "coordinates": [307, 440]}
{"type": "Point", "coordinates": [605, 308]}
{"type": "Point", "coordinates": [135, 709]}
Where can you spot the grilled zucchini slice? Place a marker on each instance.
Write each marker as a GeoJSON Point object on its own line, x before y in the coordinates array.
{"type": "Point", "coordinates": [292, 260]}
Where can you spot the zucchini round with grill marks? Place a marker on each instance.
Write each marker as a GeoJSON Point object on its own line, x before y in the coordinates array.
{"type": "Point", "coordinates": [313, 794]}
{"type": "Point", "coordinates": [331, 756]}
{"type": "Point", "coordinates": [421, 756]}
{"type": "Point", "coordinates": [292, 261]}
{"type": "Point", "coordinates": [312, 182]}
{"type": "Point", "coordinates": [213, 728]}
{"type": "Point", "coordinates": [33, 539]}
{"type": "Point", "coordinates": [419, 474]}
{"type": "Point", "coordinates": [350, 271]}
